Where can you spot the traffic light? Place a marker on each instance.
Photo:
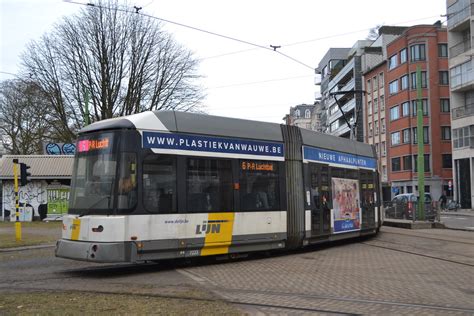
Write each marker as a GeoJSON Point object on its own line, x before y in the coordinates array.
{"type": "Point", "coordinates": [24, 174]}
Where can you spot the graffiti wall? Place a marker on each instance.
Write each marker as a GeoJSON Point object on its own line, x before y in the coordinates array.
{"type": "Point", "coordinates": [34, 194]}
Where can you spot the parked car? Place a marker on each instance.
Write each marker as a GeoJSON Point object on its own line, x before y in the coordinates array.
{"type": "Point", "coordinates": [403, 206]}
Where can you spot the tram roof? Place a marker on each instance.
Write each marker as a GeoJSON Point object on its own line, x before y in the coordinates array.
{"type": "Point", "coordinates": [194, 123]}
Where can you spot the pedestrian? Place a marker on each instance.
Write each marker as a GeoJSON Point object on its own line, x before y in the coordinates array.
{"type": "Point", "coordinates": [443, 199]}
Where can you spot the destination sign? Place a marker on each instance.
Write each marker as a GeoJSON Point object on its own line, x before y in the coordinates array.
{"type": "Point", "coordinates": [335, 157]}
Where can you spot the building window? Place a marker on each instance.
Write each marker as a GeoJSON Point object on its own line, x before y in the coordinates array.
{"type": "Point", "coordinates": [382, 103]}
{"type": "Point", "coordinates": [443, 77]}
{"type": "Point", "coordinates": [417, 52]}
{"type": "Point", "coordinates": [442, 50]}
{"type": "Point", "coordinates": [406, 136]}
{"type": "Point", "coordinates": [381, 81]}
{"type": "Point", "coordinates": [376, 105]}
{"type": "Point", "coordinates": [406, 109]}
{"type": "Point", "coordinates": [297, 113]}
{"type": "Point", "coordinates": [307, 114]}
{"type": "Point", "coordinates": [426, 162]}
{"type": "Point", "coordinates": [396, 164]}
{"type": "Point", "coordinates": [446, 132]}
{"type": "Point", "coordinates": [447, 161]}
{"type": "Point", "coordinates": [370, 129]}
{"type": "Point", "coordinates": [382, 125]}
{"type": "Point", "coordinates": [394, 113]}
{"type": "Point", "coordinates": [392, 62]}
{"type": "Point", "coordinates": [376, 127]}
{"type": "Point", "coordinates": [407, 163]}
{"type": "Point", "coordinates": [395, 138]}
{"type": "Point", "coordinates": [424, 103]}
{"type": "Point", "coordinates": [375, 83]}
{"type": "Point", "coordinates": [369, 87]}
{"type": "Point", "coordinates": [393, 87]}
{"type": "Point", "coordinates": [384, 149]}
{"type": "Point", "coordinates": [445, 107]}
{"type": "Point", "coordinates": [404, 82]}
{"type": "Point", "coordinates": [403, 56]}
{"type": "Point", "coordinates": [426, 139]}
{"type": "Point", "coordinates": [459, 74]}
{"type": "Point", "coordinates": [463, 137]}
{"type": "Point", "coordinates": [423, 80]}
{"type": "Point", "coordinates": [334, 126]}
{"type": "Point", "coordinates": [369, 108]}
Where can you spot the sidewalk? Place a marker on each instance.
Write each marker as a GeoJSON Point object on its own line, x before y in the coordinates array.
{"type": "Point", "coordinates": [461, 212]}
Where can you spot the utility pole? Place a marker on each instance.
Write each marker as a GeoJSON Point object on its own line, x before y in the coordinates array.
{"type": "Point", "coordinates": [421, 148]}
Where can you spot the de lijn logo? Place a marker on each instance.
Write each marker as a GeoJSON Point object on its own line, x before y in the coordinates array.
{"type": "Point", "coordinates": [210, 227]}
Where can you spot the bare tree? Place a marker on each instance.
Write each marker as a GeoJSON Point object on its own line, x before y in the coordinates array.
{"type": "Point", "coordinates": [23, 116]}
{"type": "Point", "coordinates": [373, 33]}
{"type": "Point", "coordinates": [124, 60]}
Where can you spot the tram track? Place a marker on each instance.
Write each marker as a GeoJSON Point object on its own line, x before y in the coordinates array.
{"type": "Point", "coordinates": [240, 302]}
{"type": "Point", "coordinates": [432, 238]}
{"type": "Point", "coordinates": [415, 253]}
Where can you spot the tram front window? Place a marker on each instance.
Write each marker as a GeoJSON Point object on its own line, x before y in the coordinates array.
{"type": "Point", "coordinates": [103, 180]}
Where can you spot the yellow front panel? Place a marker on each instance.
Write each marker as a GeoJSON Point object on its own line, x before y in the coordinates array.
{"type": "Point", "coordinates": [75, 229]}
{"type": "Point", "coordinates": [218, 234]}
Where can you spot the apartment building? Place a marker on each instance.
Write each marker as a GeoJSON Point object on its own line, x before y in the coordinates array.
{"type": "Point", "coordinates": [423, 46]}
{"type": "Point", "coordinates": [301, 116]}
{"type": "Point", "coordinates": [460, 16]}
{"type": "Point", "coordinates": [330, 65]}
{"type": "Point", "coordinates": [375, 114]}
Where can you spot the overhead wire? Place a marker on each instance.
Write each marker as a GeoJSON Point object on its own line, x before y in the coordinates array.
{"type": "Point", "coordinates": [195, 29]}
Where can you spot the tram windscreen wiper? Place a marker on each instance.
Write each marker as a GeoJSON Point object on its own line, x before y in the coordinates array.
{"type": "Point", "coordinates": [89, 209]}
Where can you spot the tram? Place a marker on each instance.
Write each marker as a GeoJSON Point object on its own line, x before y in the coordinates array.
{"type": "Point", "coordinates": [166, 184]}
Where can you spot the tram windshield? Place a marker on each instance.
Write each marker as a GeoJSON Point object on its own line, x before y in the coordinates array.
{"type": "Point", "coordinates": [104, 178]}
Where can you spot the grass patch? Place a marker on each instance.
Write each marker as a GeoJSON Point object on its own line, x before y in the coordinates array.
{"type": "Point", "coordinates": [32, 233]}
{"type": "Point", "coordinates": [70, 303]}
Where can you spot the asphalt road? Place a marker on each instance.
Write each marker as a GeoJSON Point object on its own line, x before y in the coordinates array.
{"type": "Point", "coordinates": [461, 220]}
{"type": "Point", "coordinates": [399, 272]}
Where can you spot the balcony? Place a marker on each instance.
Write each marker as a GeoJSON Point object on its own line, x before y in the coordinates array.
{"type": "Point", "coordinates": [461, 112]}
{"type": "Point", "coordinates": [459, 48]}
{"type": "Point", "coordinates": [458, 13]}
{"type": "Point", "coordinates": [346, 108]}
{"type": "Point", "coordinates": [462, 76]}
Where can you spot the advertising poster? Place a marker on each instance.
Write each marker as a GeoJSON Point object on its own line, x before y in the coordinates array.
{"type": "Point", "coordinates": [346, 207]}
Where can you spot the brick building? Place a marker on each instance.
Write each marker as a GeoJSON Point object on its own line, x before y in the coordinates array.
{"type": "Point", "coordinates": [424, 46]}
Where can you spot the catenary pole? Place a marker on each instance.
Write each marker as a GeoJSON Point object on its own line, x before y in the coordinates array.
{"type": "Point", "coordinates": [421, 148]}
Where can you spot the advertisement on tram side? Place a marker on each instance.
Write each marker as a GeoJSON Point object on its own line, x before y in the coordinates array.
{"type": "Point", "coordinates": [346, 206]}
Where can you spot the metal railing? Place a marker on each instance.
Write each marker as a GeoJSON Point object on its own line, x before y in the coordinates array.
{"type": "Point", "coordinates": [409, 211]}
{"type": "Point", "coordinates": [459, 48]}
{"type": "Point", "coordinates": [463, 111]}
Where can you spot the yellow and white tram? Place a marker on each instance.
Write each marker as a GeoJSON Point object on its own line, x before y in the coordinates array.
{"type": "Point", "coordinates": [164, 184]}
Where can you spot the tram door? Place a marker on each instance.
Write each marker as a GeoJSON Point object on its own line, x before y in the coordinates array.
{"type": "Point", "coordinates": [320, 198]}
{"type": "Point", "coordinates": [367, 179]}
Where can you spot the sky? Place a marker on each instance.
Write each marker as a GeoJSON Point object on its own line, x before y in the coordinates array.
{"type": "Point", "coordinates": [242, 78]}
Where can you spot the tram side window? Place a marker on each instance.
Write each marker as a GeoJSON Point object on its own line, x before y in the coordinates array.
{"type": "Point", "coordinates": [159, 183]}
{"type": "Point", "coordinates": [209, 185]}
{"type": "Point", "coordinates": [259, 185]}
{"type": "Point", "coordinates": [127, 184]}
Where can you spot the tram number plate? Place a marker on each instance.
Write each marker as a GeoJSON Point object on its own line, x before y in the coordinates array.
{"type": "Point", "coordinates": [193, 253]}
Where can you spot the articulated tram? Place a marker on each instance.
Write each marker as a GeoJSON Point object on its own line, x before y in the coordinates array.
{"type": "Point", "coordinates": [165, 184]}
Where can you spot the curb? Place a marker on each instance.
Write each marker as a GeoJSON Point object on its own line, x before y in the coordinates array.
{"type": "Point", "coordinates": [26, 248]}
{"type": "Point", "coordinates": [457, 214]}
